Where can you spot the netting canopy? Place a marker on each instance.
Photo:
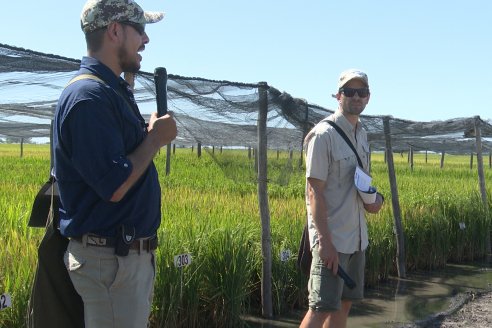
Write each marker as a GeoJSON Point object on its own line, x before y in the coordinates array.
{"type": "Point", "coordinates": [214, 113]}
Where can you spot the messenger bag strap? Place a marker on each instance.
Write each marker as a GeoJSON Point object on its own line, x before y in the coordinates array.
{"type": "Point", "coordinates": [85, 76]}
{"type": "Point", "coordinates": [51, 214]}
{"type": "Point", "coordinates": [94, 77]}
{"type": "Point", "coordinates": [344, 136]}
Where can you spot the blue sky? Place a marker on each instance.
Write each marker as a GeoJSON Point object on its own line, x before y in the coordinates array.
{"type": "Point", "coordinates": [426, 60]}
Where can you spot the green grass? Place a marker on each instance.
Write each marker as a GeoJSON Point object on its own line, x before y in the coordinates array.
{"type": "Point", "coordinates": [210, 210]}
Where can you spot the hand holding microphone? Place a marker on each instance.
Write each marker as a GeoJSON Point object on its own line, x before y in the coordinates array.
{"type": "Point", "coordinates": [162, 121]}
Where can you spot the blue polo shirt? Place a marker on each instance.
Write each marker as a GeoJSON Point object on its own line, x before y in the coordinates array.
{"type": "Point", "coordinates": [94, 130]}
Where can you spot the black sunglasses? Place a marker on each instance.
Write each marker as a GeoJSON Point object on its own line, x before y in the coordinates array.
{"type": "Point", "coordinates": [140, 28]}
{"type": "Point", "coordinates": [350, 92]}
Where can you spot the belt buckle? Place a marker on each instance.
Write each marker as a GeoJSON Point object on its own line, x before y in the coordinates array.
{"type": "Point", "coordinates": [96, 240]}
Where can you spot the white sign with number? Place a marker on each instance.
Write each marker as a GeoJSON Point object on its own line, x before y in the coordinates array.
{"type": "Point", "coordinates": [285, 255]}
{"type": "Point", "coordinates": [5, 301]}
{"type": "Point", "coordinates": [182, 260]}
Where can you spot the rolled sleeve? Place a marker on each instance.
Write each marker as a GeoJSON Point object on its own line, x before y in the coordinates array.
{"type": "Point", "coordinates": [117, 174]}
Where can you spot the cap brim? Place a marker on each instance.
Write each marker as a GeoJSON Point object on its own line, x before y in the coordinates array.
{"type": "Point", "coordinates": [153, 16]}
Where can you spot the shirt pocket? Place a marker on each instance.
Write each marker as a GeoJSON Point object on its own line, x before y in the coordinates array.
{"type": "Point", "coordinates": [344, 164]}
{"type": "Point", "coordinates": [134, 131]}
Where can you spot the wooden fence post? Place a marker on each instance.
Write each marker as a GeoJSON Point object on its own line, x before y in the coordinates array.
{"type": "Point", "coordinates": [266, 242]}
{"type": "Point", "coordinates": [410, 154]}
{"type": "Point", "coordinates": [370, 158]}
{"type": "Point", "coordinates": [481, 175]}
{"type": "Point", "coordinates": [400, 236]}
{"type": "Point", "coordinates": [305, 129]}
{"type": "Point", "coordinates": [168, 159]}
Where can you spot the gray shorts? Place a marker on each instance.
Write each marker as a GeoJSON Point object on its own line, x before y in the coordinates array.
{"type": "Point", "coordinates": [327, 290]}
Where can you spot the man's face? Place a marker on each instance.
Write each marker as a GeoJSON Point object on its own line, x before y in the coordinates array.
{"type": "Point", "coordinates": [353, 105]}
{"type": "Point", "coordinates": [135, 40]}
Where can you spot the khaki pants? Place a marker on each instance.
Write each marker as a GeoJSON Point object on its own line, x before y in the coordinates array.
{"type": "Point", "coordinates": [117, 291]}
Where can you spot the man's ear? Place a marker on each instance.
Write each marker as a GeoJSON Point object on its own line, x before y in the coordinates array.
{"type": "Point", "coordinates": [114, 31]}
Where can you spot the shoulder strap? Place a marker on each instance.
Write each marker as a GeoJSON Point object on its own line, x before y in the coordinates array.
{"type": "Point", "coordinates": [85, 76]}
{"type": "Point", "coordinates": [96, 78]}
{"type": "Point", "coordinates": [344, 136]}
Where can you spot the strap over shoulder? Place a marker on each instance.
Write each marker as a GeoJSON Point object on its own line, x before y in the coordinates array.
{"type": "Point", "coordinates": [347, 140]}
{"type": "Point", "coordinates": [342, 134]}
{"type": "Point", "coordinates": [84, 77]}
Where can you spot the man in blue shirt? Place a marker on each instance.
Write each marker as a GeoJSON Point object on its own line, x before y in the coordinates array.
{"type": "Point", "coordinates": [103, 163]}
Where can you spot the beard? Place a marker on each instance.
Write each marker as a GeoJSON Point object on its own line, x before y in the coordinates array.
{"type": "Point", "coordinates": [128, 63]}
{"type": "Point", "coordinates": [353, 108]}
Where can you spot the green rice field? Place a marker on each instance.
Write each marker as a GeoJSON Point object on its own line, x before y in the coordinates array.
{"type": "Point", "coordinates": [210, 210]}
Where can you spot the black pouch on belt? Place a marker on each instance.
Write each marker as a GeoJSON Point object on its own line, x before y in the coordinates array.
{"type": "Point", "coordinates": [124, 240]}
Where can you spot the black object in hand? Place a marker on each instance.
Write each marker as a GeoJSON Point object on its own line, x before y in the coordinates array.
{"type": "Point", "coordinates": [160, 80]}
{"type": "Point", "coordinates": [346, 278]}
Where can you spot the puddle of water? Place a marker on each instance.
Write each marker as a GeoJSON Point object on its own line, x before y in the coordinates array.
{"type": "Point", "coordinates": [400, 301]}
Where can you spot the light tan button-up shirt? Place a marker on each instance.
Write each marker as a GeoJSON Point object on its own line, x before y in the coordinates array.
{"type": "Point", "coordinates": [330, 158]}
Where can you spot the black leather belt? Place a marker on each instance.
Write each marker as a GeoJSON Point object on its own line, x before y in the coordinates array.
{"type": "Point", "coordinates": [142, 244]}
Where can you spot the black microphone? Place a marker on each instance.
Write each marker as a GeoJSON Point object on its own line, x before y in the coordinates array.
{"type": "Point", "coordinates": [160, 80]}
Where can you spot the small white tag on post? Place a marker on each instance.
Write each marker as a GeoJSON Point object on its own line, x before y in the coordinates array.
{"type": "Point", "coordinates": [5, 301]}
{"type": "Point", "coordinates": [182, 260]}
{"type": "Point", "coordinates": [285, 255]}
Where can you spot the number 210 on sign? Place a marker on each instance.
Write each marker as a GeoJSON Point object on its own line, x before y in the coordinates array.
{"type": "Point", "coordinates": [182, 260]}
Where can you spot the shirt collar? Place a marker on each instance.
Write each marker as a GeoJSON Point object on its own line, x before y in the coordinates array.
{"type": "Point", "coordinates": [94, 66]}
{"type": "Point", "coordinates": [342, 121]}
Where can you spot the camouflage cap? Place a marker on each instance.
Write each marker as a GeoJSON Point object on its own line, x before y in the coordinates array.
{"type": "Point", "coordinates": [351, 74]}
{"type": "Point", "coordinates": [100, 13]}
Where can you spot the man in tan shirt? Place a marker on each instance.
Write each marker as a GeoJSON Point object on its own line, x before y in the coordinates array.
{"type": "Point", "coordinates": [336, 212]}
